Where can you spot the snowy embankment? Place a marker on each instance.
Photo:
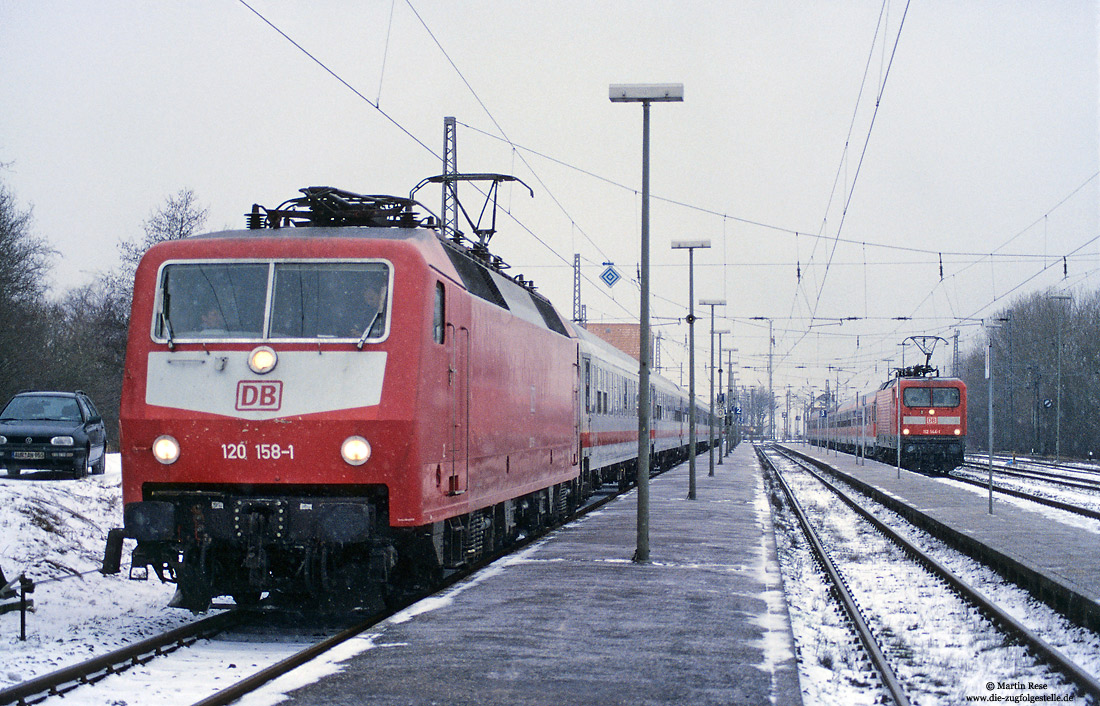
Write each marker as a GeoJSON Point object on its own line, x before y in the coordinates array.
{"type": "Point", "coordinates": [55, 530]}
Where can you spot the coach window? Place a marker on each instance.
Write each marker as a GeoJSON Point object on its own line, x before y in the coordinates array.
{"type": "Point", "coordinates": [437, 317]}
{"type": "Point", "coordinates": [588, 386]}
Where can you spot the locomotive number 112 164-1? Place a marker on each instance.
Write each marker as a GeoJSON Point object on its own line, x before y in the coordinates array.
{"type": "Point", "coordinates": [264, 452]}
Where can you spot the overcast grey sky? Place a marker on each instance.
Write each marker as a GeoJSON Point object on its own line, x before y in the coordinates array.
{"type": "Point", "coordinates": [984, 141]}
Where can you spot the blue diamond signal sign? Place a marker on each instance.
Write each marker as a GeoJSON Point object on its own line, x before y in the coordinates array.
{"type": "Point", "coordinates": [610, 277]}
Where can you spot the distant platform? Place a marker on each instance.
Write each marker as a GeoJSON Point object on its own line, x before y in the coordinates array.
{"type": "Point", "coordinates": [572, 620]}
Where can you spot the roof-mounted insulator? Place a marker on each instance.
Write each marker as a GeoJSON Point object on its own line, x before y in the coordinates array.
{"type": "Point", "coordinates": [255, 218]}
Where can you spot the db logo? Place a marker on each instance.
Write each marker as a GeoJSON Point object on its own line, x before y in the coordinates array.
{"type": "Point", "coordinates": [254, 395]}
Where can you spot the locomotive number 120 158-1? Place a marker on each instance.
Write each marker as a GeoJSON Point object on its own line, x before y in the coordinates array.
{"type": "Point", "coordinates": [264, 452]}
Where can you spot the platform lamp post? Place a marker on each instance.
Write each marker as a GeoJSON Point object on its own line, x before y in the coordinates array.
{"type": "Point", "coordinates": [1058, 407]}
{"type": "Point", "coordinates": [710, 448]}
{"type": "Point", "coordinates": [644, 94]}
{"type": "Point", "coordinates": [730, 398]}
{"type": "Point", "coordinates": [771, 398]}
{"type": "Point", "coordinates": [989, 376]}
{"type": "Point", "coordinates": [690, 246]}
{"type": "Point", "coordinates": [897, 401]}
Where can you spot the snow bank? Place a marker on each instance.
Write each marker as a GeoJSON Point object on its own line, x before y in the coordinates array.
{"type": "Point", "coordinates": [55, 530]}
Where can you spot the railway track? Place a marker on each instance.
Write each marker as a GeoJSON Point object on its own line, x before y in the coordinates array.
{"type": "Point", "coordinates": [1051, 478]}
{"type": "Point", "coordinates": [71, 681]}
{"type": "Point", "coordinates": [94, 670]}
{"type": "Point", "coordinates": [1086, 469]}
{"type": "Point", "coordinates": [1064, 476]}
{"type": "Point", "coordinates": [865, 586]}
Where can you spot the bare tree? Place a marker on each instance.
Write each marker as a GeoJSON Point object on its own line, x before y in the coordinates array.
{"type": "Point", "coordinates": [1029, 372]}
{"type": "Point", "coordinates": [85, 348]}
{"type": "Point", "coordinates": [180, 216]}
{"type": "Point", "coordinates": [24, 263]}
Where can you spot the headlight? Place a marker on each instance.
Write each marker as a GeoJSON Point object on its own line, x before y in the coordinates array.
{"type": "Point", "coordinates": [905, 432]}
{"type": "Point", "coordinates": [355, 450]}
{"type": "Point", "coordinates": [262, 360]}
{"type": "Point", "coordinates": [3, 439]}
{"type": "Point", "coordinates": [958, 432]}
{"type": "Point", "coordinates": [166, 449]}
{"type": "Point", "coordinates": [62, 441]}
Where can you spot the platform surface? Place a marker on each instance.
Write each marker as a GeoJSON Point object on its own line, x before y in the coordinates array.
{"type": "Point", "coordinates": [1067, 552]}
{"type": "Point", "coordinates": [572, 620]}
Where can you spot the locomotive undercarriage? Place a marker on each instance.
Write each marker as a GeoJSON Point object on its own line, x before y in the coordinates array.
{"type": "Point", "coordinates": [325, 549]}
{"type": "Point", "coordinates": [929, 456]}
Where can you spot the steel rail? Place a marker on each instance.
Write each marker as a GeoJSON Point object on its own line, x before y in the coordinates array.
{"type": "Point", "coordinates": [1045, 476]}
{"type": "Point", "coordinates": [870, 643]}
{"type": "Point", "coordinates": [1049, 502]}
{"type": "Point", "coordinates": [93, 670]}
{"type": "Point", "coordinates": [1083, 679]}
{"type": "Point", "coordinates": [1066, 465]}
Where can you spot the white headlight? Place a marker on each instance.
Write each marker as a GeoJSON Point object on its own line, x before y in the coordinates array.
{"type": "Point", "coordinates": [62, 441]}
{"type": "Point", "coordinates": [262, 360]}
{"type": "Point", "coordinates": [355, 450]}
{"type": "Point", "coordinates": [3, 439]}
{"type": "Point", "coordinates": [166, 449]}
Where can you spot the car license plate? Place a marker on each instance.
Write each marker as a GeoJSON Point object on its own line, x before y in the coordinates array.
{"type": "Point", "coordinates": [28, 455]}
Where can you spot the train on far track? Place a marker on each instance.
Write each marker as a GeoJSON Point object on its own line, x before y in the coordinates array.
{"type": "Point", "coordinates": [344, 402]}
{"type": "Point", "coordinates": [927, 432]}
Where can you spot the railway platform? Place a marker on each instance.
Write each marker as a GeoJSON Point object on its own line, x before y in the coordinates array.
{"type": "Point", "coordinates": [573, 620]}
{"type": "Point", "coordinates": [1059, 562]}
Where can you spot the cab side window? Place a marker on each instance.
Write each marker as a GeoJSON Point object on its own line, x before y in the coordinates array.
{"type": "Point", "coordinates": [438, 325]}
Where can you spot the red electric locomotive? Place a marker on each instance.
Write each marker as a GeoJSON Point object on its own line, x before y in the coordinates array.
{"type": "Point", "coordinates": [340, 401]}
{"type": "Point", "coordinates": [932, 420]}
{"type": "Point", "coordinates": [928, 430]}
{"type": "Point", "coordinates": [327, 409]}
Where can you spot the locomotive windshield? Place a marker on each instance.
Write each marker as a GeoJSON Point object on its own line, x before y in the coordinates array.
{"type": "Point", "coordinates": [931, 397]}
{"type": "Point", "coordinates": [273, 300]}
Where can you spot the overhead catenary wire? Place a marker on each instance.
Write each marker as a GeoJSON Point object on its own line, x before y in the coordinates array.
{"type": "Point", "coordinates": [862, 156]}
{"type": "Point", "coordinates": [948, 257]}
{"type": "Point", "coordinates": [401, 127]}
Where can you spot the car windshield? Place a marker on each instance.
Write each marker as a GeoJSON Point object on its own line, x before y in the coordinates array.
{"type": "Point", "coordinates": [305, 300]}
{"type": "Point", "coordinates": [931, 397]}
{"type": "Point", "coordinates": [42, 408]}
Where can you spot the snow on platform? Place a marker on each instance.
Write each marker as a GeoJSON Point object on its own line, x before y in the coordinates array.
{"type": "Point", "coordinates": [572, 620]}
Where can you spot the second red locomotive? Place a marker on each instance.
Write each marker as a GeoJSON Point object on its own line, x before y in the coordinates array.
{"type": "Point", "coordinates": [927, 432]}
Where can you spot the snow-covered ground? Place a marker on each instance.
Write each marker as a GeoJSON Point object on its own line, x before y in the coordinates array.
{"type": "Point", "coordinates": [55, 531]}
